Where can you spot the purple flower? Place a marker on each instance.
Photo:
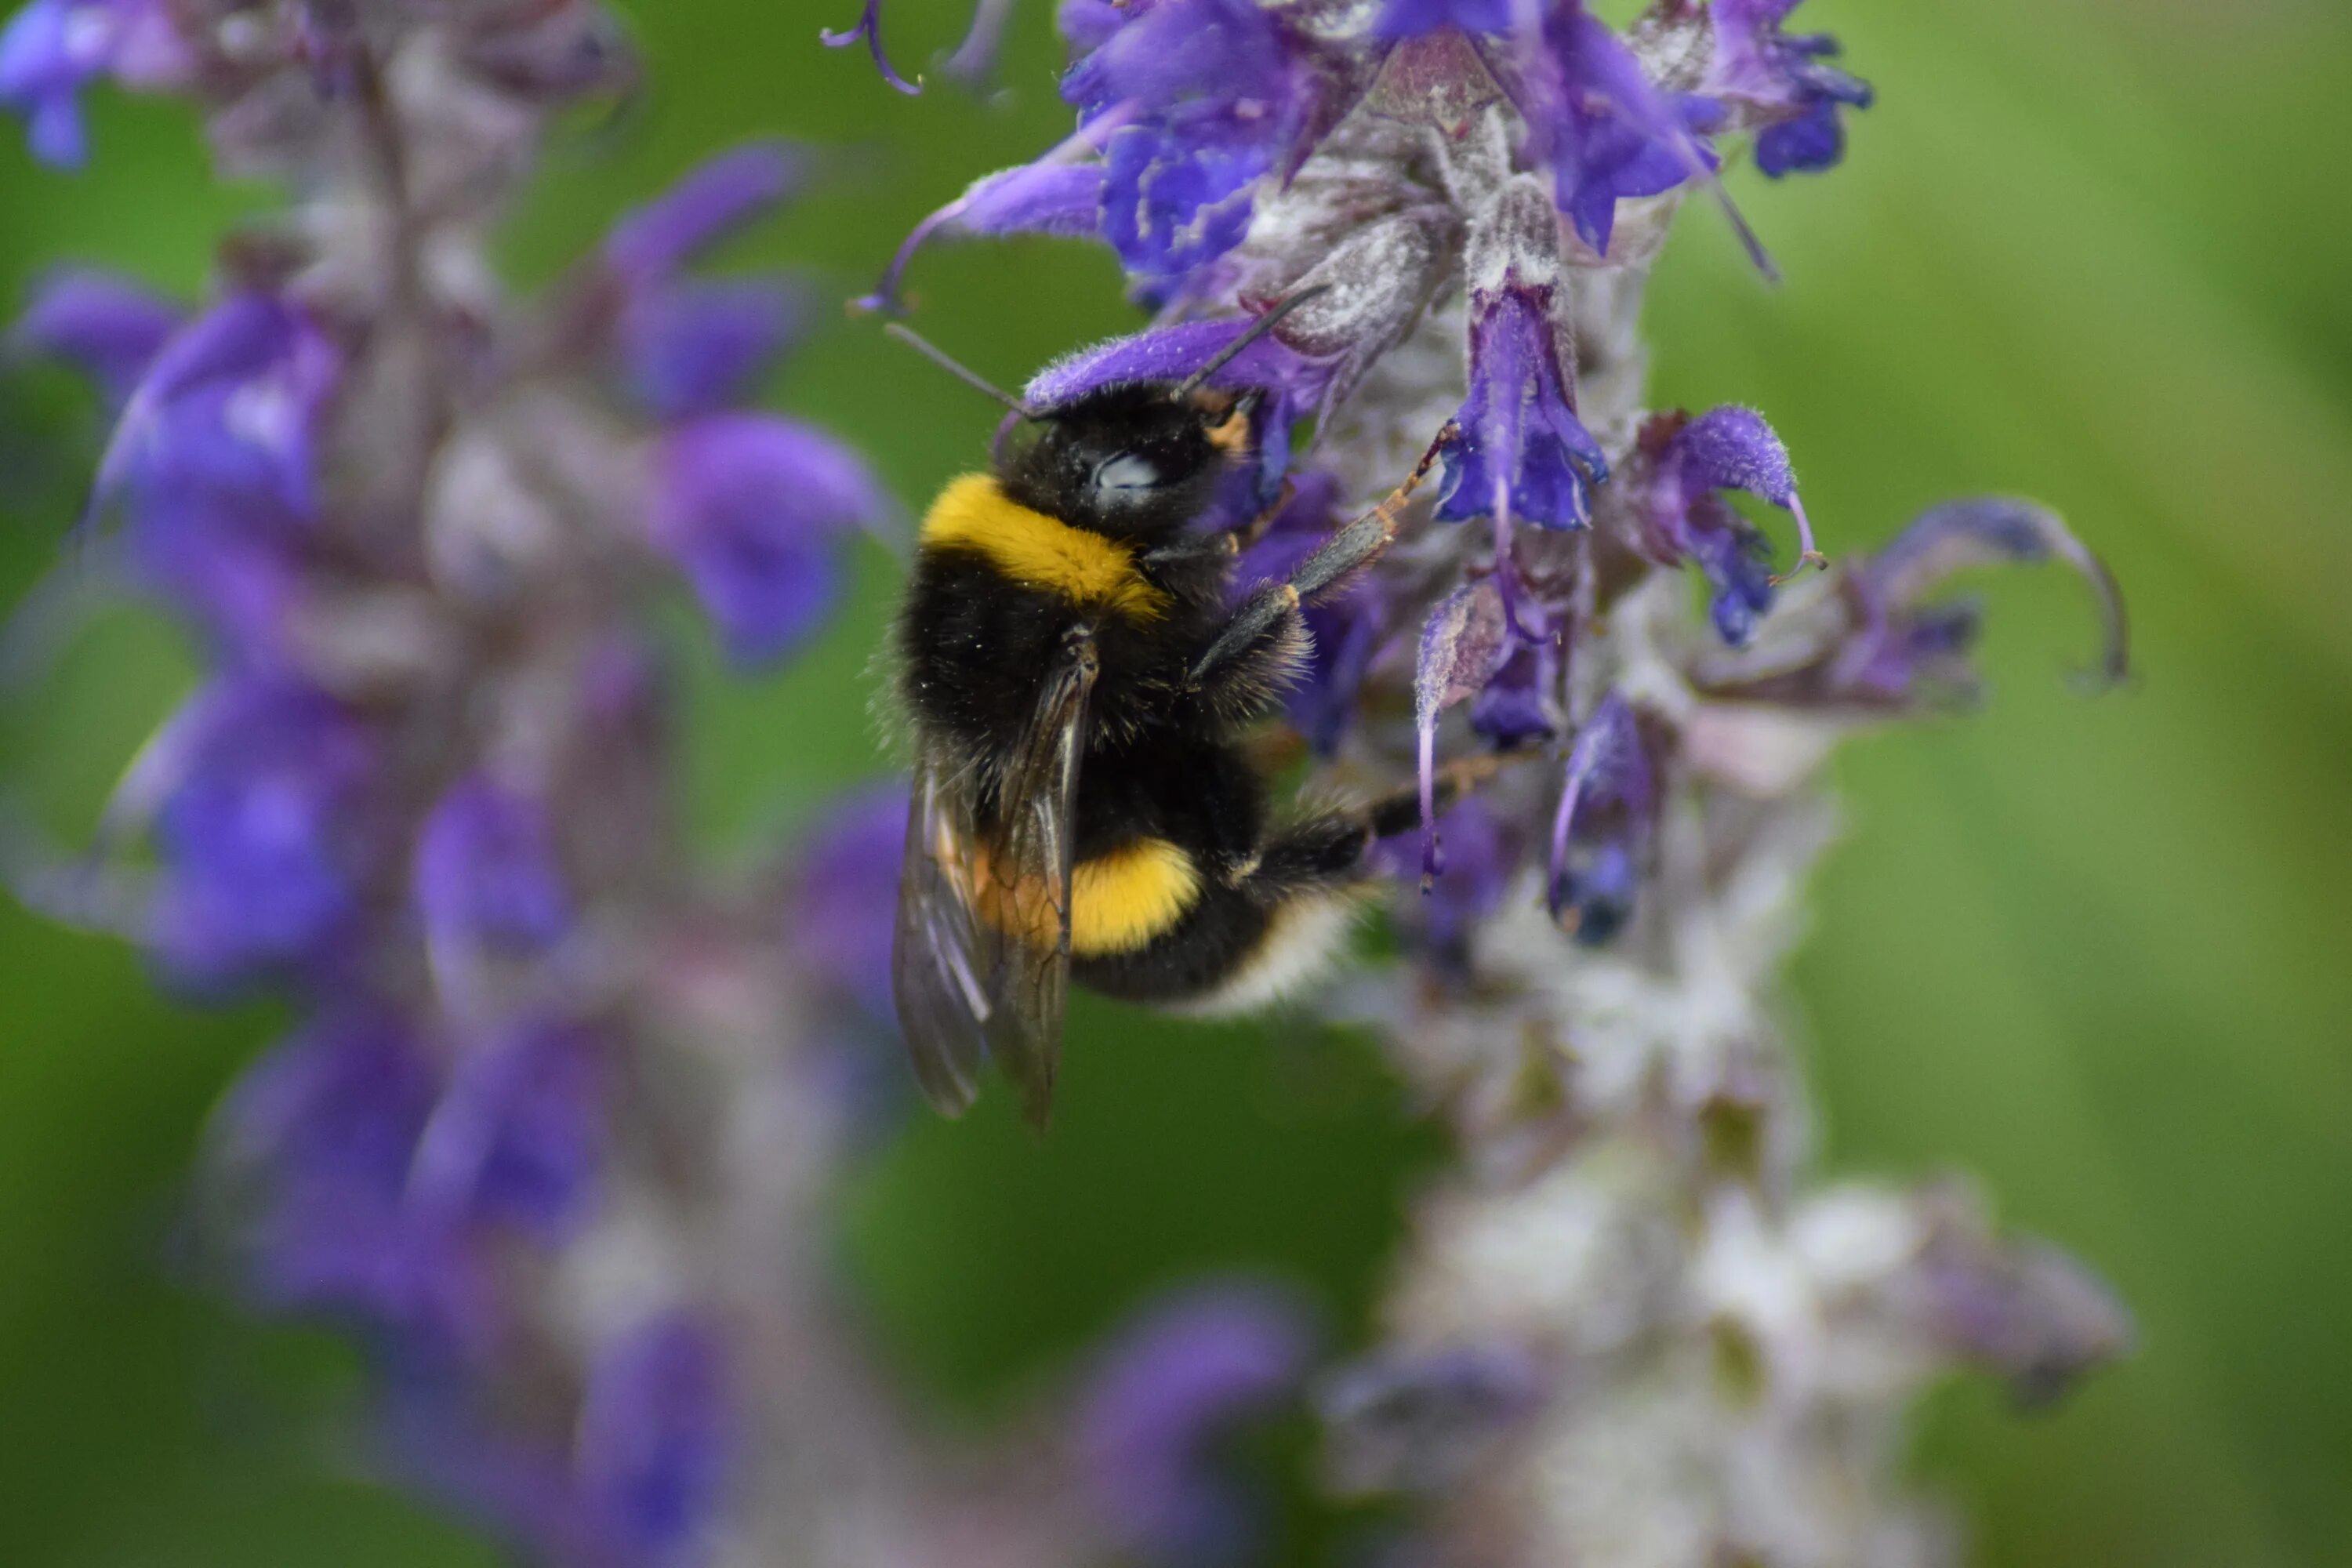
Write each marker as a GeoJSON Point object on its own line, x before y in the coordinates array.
{"type": "Point", "coordinates": [1217, 101]}
{"type": "Point", "coordinates": [51, 49]}
{"type": "Point", "coordinates": [1903, 644]}
{"type": "Point", "coordinates": [869, 32]}
{"type": "Point", "coordinates": [652, 1445]}
{"type": "Point", "coordinates": [107, 327]}
{"type": "Point", "coordinates": [753, 509]}
{"type": "Point", "coordinates": [1517, 705]}
{"type": "Point", "coordinates": [1758, 67]}
{"type": "Point", "coordinates": [713, 201]}
{"type": "Point", "coordinates": [486, 873]}
{"type": "Point", "coordinates": [1690, 462]}
{"type": "Point", "coordinates": [1517, 448]}
{"type": "Point", "coordinates": [844, 896]}
{"type": "Point", "coordinates": [696, 348]}
{"type": "Point", "coordinates": [262, 834]}
{"type": "Point", "coordinates": [1607, 133]}
{"type": "Point", "coordinates": [1483, 851]}
{"type": "Point", "coordinates": [320, 1137]}
{"type": "Point", "coordinates": [1608, 806]}
{"type": "Point", "coordinates": [1048, 196]}
{"type": "Point", "coordinates": [1164, 1393]}
{"type": "Point", "coordinates": [515, 1137]}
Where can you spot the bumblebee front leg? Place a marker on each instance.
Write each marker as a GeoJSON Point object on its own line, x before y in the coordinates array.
{"type": "Point", "coordinates": [1264, 632]}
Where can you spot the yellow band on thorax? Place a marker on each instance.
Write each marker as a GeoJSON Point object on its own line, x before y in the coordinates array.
{"type": "Point", "coordinates": [974, 513]}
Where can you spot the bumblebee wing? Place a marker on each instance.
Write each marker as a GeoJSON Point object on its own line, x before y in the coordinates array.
{"type": "Point", "coordinates": [1025, 894]}
{"type": "Point", "coordinates": [937, 977]}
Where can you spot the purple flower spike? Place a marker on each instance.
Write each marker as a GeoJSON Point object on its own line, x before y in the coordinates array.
{"type": "Point", "coordinates": [107, 327]}
{"type": "Point", "coordinates": [1608, 803]}
{"type": "Point", "coordinates": [696, 348]}
{"type": "Point", "coordinates": [1690, 463]}
{"type": "Point", "coordinates": [652, 1446]}
{"type": "Point", "coordinates": [1483, 852]}
{"type": "Point", "coordinates": [262, 834]}
{"type": "Point", "coordinates": [752, 509]}
{"type": "Point", "coordinates": [844, 896]}
{"type": "Point", "coordinates": [1460, 646]}
{"type": "Point", "coordinates": [515, 1137]}
{"type": "Point", "coordinates": [1987, 531]}
{"type": "Point", "coordinates": [1519, 450]}
{"type": "Point", "coordinates": [1164, 1393]}
{"type": "Point", "coordinates": [53, 49]}
{"type": "Point", "coordinates": [706, 206]}
{"type": "Point", "coordinates": [1049, 197]}
{"type": "Point", "coordinates": [1784, 78]}
{"type": "Point", "coordinates": [868, 31]}
{"type": "Point", "coordinates": [485, 872]}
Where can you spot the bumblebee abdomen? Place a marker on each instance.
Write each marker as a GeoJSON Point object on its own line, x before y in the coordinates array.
{"type": "Point", "coordinates": [974, 515]}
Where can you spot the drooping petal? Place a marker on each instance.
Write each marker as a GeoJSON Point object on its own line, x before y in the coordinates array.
{"type": "Point", "coordinates": [107, 327]}
{"type": "Point", "coordinates": [712, 202]}
{"type": "Point", "coordinates": [1053, 195]}
{"type": "Point", "coordinates": [868, 32]}
{"type": "Point", "coordinates": [1994, 531]}
{"type": "Point", "coordinates": [1460, 646]}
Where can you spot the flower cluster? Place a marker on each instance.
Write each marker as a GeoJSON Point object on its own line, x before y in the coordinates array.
{"type": "Point", "coordinates": [554, 1129]}
{"type": "Point", "coordinates": [1629, 1329]}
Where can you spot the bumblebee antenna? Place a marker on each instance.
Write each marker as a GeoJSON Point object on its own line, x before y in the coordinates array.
{"type": "Point", "coordinates": [971, 378]}
{"type": "Point", "coordinates": [1257, 329]}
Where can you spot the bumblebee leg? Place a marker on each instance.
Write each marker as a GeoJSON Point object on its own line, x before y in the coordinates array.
{"type": "Point", "coordinates": [1261, 618]}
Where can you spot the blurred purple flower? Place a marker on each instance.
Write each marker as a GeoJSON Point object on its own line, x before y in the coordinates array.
{"type": "Point", "coordinates": [713, 201]}
{"type": "Point", "coordinates": [1164, 1393]}
{"type": "Point", "coordinates": [696, 348]}
{"type": "Point", "coordinates": [515, 1138]}
{"type": "Point", "coordinates": [486, 873]}
{"type": "Point", "coordinates": [652, 1446]}
{"type": "Point", "coordinates": [753, 509]}
{"type": "Point", "coordinates": [320, 1137]}
{"type": "Point", "coordinates": [51, 49]}
{"type": "Point", "coordinates": [106, 327]}
{"type": "Point", "coordinates": [263, 832]}
{"type": "Point", "coordinates": [843, 901]}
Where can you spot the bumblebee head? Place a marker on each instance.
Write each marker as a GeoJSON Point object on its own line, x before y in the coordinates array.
{"type": "Point", "coordinates": [1134, 461]}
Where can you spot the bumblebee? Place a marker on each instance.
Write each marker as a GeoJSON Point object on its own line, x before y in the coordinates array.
{"type": "Point", "coordinates": [1077, 680]}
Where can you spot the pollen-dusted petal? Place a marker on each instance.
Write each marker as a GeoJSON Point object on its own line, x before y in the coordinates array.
{"type": "Point", "coordinates": [1461, 643]}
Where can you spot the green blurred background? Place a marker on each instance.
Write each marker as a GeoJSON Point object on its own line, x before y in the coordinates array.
{"type": "Point", "coordinates": [2098, 953]}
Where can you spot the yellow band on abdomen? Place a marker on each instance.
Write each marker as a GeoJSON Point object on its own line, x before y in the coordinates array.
{"type": "Point", "coordinates": [974, 513]}
{"type": "Point", "coordinates": [1122, 901]}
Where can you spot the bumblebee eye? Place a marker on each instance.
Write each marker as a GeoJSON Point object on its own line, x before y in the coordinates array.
{"type": "Point", "coordinates": [1126, 474]}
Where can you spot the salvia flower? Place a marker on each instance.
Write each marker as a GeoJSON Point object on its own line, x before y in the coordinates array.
{"type": "Point", "coordinates": [1676, 486]}
{"type": "Point", "coordinates": [51, 49]}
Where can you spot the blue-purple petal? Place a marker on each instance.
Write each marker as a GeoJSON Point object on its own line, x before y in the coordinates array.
{"type": "Point", "coordinates": [709, 203]}
{"type": "Point", "coordinates": [486, 870]}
